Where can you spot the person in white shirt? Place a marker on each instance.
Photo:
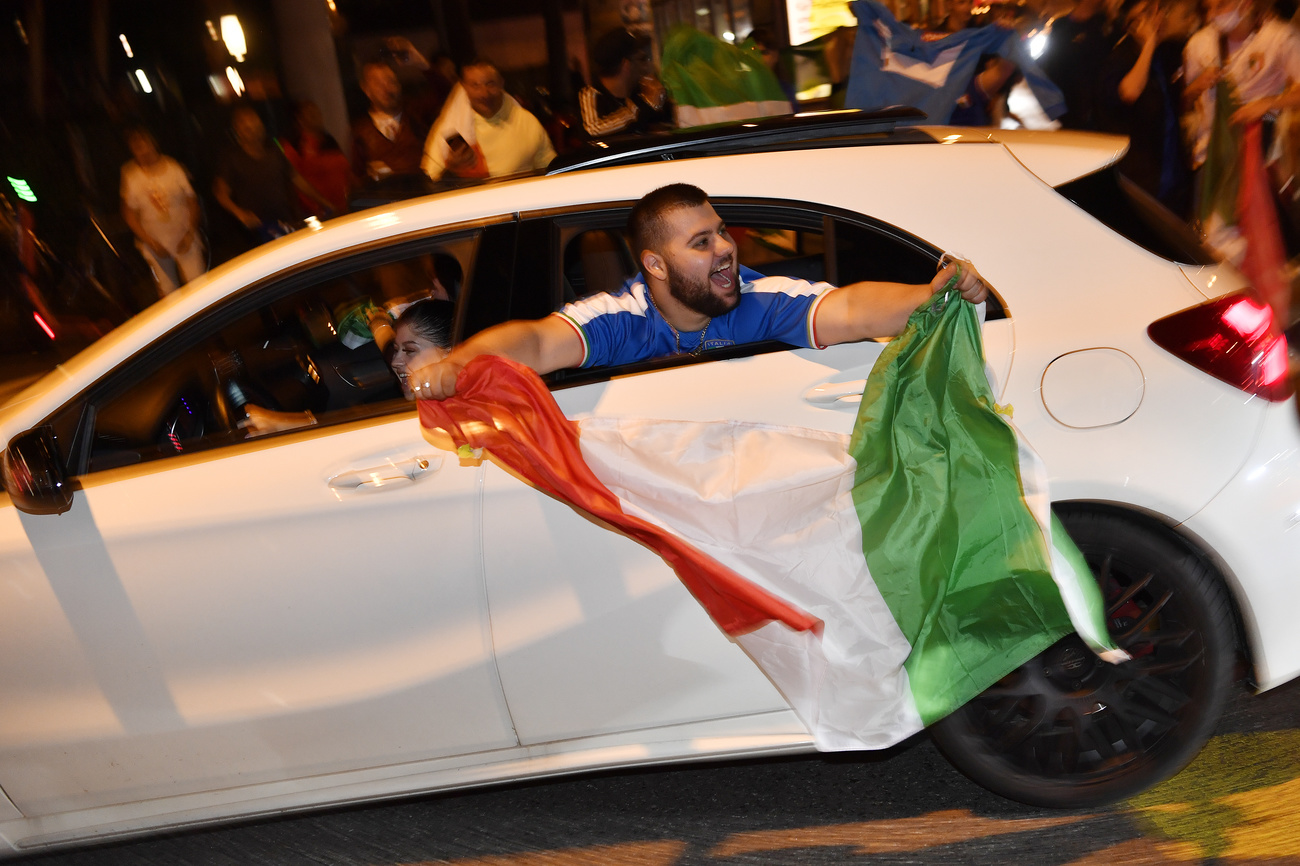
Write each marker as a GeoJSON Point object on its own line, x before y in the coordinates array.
{"type": "Point", "coordinates": [160, 206]}
{"type": "Point", "coordinates": [1259, 55]}
{"type": "Point", "coordinates": [1253, 59]}
{"type": "Point", "coordinates": [484, 132]}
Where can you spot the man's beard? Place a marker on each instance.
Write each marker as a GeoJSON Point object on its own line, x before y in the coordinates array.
{"type": "Point", "coordinates": [699, 295]}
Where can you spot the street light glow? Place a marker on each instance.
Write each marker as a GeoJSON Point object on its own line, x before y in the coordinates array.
{"type": "Point", "coordinates": [233, 35]}
{"type": "Point", "coordinates": [236, 82]}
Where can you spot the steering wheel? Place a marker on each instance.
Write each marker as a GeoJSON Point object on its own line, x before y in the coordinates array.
{"type": "Point", "coordinates": [185, 421]}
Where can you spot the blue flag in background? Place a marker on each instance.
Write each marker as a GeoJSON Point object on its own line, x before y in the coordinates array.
{"type": "Point", "coordinates": [893, 65]}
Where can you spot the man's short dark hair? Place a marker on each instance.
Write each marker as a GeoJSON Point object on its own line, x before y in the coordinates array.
{"type": "Point", "coordinates": [646, 223]}
{"type": "Point", "coordinates": [613, 48]}
{"type": "Point", "coordinates": [481, 61]}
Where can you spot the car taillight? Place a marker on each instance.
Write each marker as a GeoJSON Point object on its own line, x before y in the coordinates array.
{"type": "Point", "coordinates": [1232, 338]}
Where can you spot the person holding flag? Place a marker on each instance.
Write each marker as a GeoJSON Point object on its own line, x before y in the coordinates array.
{"type": "Point", "coordinates": [1241, 70]}
{"type": "Point", "coordinates": [896, 65]}
{"type": "Point", "coordinates": [879, 580]}
{"type": "Point", "coordinates": [691, 295]}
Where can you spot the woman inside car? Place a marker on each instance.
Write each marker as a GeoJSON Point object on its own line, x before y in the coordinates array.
{"type": "Point", "coordinates": [422, 333]}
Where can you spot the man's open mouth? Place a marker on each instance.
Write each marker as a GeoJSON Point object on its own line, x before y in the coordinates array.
{"type": "Point", "coordinates": [724, 276]}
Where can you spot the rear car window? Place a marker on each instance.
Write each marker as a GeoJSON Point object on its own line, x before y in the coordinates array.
{"type": "Point", "coordinates": [1126, 208]}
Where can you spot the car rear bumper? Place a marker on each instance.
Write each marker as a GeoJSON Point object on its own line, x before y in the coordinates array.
{"type": "Point", "coordinates": [1253, 527]}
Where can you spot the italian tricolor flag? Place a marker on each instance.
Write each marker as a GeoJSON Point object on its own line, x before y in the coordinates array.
{"type": "Point", "coordinates": [879, 580]}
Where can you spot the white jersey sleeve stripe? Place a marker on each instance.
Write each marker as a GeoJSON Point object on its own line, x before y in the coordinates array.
{"type": "Point", "coordinates": [632, 301]}
{"type": "Point", "coordinates": [582, 335]}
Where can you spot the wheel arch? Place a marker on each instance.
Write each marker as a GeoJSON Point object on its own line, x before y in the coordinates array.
{"type": "Point", "coordinates": [1189, 541]}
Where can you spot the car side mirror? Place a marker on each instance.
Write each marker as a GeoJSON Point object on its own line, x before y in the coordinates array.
{"type": "Point", "coordinates": [33, 475]}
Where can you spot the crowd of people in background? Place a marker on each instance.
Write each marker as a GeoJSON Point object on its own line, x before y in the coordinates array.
{"type": "Point", "coordinates": [423, 122]}
{"type": "Point", "coordinates": [1196, 89]}
{"type": "Point", "coordinates": [1158, 71]}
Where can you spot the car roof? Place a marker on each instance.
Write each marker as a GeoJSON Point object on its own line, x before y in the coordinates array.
{"type": "Point", "coordinates": [804, 131]}
{"type": "Point", "coordinates": [1055, 156]}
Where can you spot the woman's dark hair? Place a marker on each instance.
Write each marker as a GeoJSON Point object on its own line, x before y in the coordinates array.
{"type": "Point", "coordinates": [431, 320]}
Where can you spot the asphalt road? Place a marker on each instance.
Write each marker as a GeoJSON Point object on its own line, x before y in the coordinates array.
{"type": "Point", "coordinates": [1238, 803]}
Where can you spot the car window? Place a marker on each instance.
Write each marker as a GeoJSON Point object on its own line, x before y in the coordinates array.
{"type": "Point", "coordinates": [301, 348]}
{"type": "Point", "coordinates": [1126, 208]}
{"type": "Point", "coordinates": [773, 251]}
{"type": "Point", "coordinates": [792, 239]}
{"type": "Point", "coordinates": [597, 260]}
{"type": "Point", "coordinates": [868, 253]}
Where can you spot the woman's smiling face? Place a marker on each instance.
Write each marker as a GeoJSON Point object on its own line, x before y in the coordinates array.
{"type": "Point", "coordinates": [411, 346]}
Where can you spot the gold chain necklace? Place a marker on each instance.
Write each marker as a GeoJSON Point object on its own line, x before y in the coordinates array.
{"type": "Point", "coordinates": [677, 337]}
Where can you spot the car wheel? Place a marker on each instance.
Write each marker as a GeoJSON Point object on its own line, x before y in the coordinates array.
{"type": "Point", "coordinates": [1069, 730]}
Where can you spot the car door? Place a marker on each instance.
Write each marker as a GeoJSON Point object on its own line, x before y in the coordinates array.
{"type": "Point", "coordinates": [593, 633]}
{"type": "Point", "coordinates": [218, 611]}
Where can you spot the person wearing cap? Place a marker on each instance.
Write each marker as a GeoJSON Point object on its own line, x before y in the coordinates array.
{"type": "Point", "coordinates": [626, 97]}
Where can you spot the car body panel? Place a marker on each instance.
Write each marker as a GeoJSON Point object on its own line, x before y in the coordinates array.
{"type": "Point", "coordinates": [763, 735]}
{"type": "Point", "coordinates": [1253, 528]}
{"type": "Point", "coordinates": [1213, 281]}
{"type": "Point", "coordinates": [1054, 156]}
{"type": "Point", "coordinates": [173, 645]}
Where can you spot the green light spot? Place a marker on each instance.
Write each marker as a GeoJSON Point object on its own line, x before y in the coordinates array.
{"type": "Point", "coordinates": [22, 189]}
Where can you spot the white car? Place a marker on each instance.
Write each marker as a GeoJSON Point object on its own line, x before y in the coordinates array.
{"type": "Point", "coordinates": [196, 625]}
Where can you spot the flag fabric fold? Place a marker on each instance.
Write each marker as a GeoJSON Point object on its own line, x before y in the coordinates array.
{"type": "Point", "coordinates": [505, 408]}
{"type": "Point", "coordinates": [879, 580]}
{"type": "Point", "coordinates": [1220, 178]}
{"type": "Point", "coordinates": [712, 81]}
{"type": "Point", "coordinates": [893, 64]}
{"type": "Point", "coordinates": [1236, 211]}
{"type": "Point", "coordinates": [956, 522]}
{"type": "Point", "coordinates": [1264, 263]}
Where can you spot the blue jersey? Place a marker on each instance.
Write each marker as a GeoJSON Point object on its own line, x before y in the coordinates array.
{"type": "Point", "coordinates": [624, 327]}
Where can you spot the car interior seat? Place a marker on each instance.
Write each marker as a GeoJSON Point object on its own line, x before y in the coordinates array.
{"type": "Point", "coordinates": [598, 260]}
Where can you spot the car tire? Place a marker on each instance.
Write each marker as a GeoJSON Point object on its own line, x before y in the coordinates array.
{"type": "Point", "coordinates": [1067, 730]}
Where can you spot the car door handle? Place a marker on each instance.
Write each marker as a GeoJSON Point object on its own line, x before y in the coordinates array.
{"type": "Point", "coordinates": [837, 392]}
{"type": "Point", "coordinates": [411, 469]}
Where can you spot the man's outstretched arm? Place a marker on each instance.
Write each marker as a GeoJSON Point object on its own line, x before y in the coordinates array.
{"type": "Point", "coordinates": [542, 344]}
{"type": "Point", "coordinates": [864, 311]}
